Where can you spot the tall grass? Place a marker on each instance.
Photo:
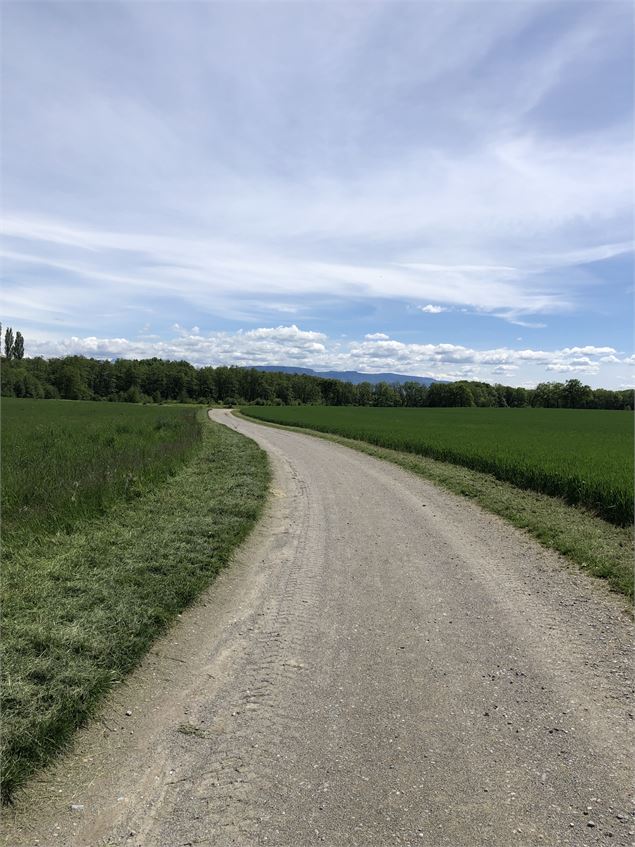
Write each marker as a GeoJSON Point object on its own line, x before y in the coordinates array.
{"type": "Point", "coordinates": [81, 608]}
{"type": "Point", "coordinates": [582, 456]}
{"type": "Point", "coordinates": [65, 461]}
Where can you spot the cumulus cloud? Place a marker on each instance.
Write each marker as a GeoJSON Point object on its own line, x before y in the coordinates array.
{"type": "Point", "coordinates": [430, 309]}
{"type": "Point", "coordinates": [289, 334]}
{"type": "Point", "coordinates": [266, 345]}
{"type": "Point", "coordinates": [572, 368]}
{"type": "Point", "coordinates": [290, 345]}
{"type": "Point", "coordinates": [398, 354]}
{"type": "Point", "coordinates": [309, 183]}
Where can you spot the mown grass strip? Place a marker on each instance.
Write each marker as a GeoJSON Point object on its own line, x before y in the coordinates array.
{"type": "Point", "coordinates": [81, 611]}
{"type": "Point", "coordinates": [598, 547]}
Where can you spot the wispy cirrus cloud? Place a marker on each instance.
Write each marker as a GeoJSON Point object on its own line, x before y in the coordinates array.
{"type": "Point", "coordinates": [303, 163]}
{"type": "Point", "coordinates": [203, 272]}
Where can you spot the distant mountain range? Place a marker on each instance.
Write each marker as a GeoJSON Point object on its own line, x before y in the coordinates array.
{"type": "Point", "coordinates": [348, 376]}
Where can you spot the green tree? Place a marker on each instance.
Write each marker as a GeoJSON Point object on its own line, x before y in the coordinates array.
{"type": "Point", "coordinates": [8, 343]}
{"type": "Point", "coordinates": [132, 395]}
{"type": "Point", "coordinates": [206, 384]}
{"type": "Point", "coordinates": [104, 380]}
{"type": "Point", "coordinates": [33, 387]}
{"type": "Point", "coordinates": [460, 394]}
{"type": "Point", "coordinates": [305, 388]}
{"type": "Point", "coordinates": [18, 346]}
{"type": "Point", "coordinates": [548, 395]}
{"type": "Point", "coordinates": [386, 394]}
{"type": "Point", "coordinates": [365, 394]}
{"type": "Point", "coordinates": [413, 394]}
{"type": "Point", "coordinates": [71, 386]}
{"type": "Point", "coordinates": [576, 395]}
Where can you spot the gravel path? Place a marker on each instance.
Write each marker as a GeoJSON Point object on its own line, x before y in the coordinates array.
{"type": "Point", "coordinates": [385, 664]}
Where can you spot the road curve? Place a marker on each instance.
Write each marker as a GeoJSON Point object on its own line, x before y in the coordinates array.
{"type": "Point", "coordinates": [386, 664]}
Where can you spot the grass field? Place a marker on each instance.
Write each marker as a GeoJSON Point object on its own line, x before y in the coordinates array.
{"type": "Point", "coordinates": [81, 607]}
{"type": "Point", "coordinates": [582, 456]}
{"type": "Point", "coordinates": [64, 461]}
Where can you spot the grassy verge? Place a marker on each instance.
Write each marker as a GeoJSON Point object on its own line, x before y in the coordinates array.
{"type": "Point", "coordinates": [599, 547]}
{"type": "Point", "coordinates": [81, 610]}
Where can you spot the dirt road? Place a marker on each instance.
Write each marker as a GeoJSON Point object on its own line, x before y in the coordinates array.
{"type": "Point", "coordinates": [384, 665]}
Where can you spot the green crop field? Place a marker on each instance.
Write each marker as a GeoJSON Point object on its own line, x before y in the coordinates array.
{"type": "Point", "coordinates": [115, 517]}
{"type": "Point", "coordinates": [64, 460]}
{"type": "Point", "coordinates": [583, 456]}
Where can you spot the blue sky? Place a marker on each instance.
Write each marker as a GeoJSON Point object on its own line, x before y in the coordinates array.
{"type": "Point", "coordinates": [437, 188]}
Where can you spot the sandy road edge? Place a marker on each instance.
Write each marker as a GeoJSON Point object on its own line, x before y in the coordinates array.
{"type": "Point", "coordinates": [136, 760]}
{"type": "Point", "coordinates": [104, 755]}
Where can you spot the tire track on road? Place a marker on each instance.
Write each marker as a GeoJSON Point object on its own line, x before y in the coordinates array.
{"type": "Point", "coordinates": [384, 664]}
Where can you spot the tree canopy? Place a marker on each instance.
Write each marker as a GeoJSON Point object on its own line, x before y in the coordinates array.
{"type": "Point", "coordinates": [158, 381]}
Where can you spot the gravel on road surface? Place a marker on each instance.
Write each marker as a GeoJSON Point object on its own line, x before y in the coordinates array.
{"type": "Point", "coordinates": [384, 664]}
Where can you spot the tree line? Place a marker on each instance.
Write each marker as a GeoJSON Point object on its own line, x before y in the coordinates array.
{"type": "Point", "coordinates": [159, 381]}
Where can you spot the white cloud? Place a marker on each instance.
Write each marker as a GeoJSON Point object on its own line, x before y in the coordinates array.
{"type": "Point", "coordinates": [288, 333]}
{"type": "Point", "coordinates": [203, 271]}
{"type": "Point", "coordinates": [258, 176]}
{"type": "Point", "coordinates": [290, 345]}
{"type": "Point", "coordinates": [376, 336]}
{"type": "Point", "coordinates": [430, 309]}
{"type": "Point", "coordinates": [570, 368]}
